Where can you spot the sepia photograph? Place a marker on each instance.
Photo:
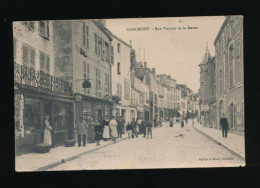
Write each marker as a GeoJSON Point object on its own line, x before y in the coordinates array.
{"type": "Point", "coordinates": [130, 93]}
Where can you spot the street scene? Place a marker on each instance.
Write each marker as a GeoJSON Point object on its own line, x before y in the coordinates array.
{"type": "Point", "coordinates": [129, 93]}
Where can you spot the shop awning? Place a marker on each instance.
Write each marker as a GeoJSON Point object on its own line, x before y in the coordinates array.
{"type": "Point", "coordinates": [180, 112]}
{"type": "Point", "coordinates": [190, 111]}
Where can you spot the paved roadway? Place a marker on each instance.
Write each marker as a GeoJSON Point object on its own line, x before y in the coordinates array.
{"type": "Point", "coordinates": [171, 147]}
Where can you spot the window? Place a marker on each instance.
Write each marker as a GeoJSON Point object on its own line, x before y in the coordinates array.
{"type": "Point", "coordinates": [98, 83]}
{"type": "Point", "coordinates": [96, 44]}
{"type": "Point", "coordinates": [44, 62]}
{"type": "Point", "coordinates": [107, 82]}
{"type": "Point", "coordinates": [32, 114]}
{"type": "Point", "coordinates": [99, 45]}
{"type": "Point", "coordinates": [112, 54]}
{"type": "Point", "coordinates": [118, 47]}
{"type": "Point", "coordinates": [29, 25]}
{"type": "Point", "coordinates": [118, 68]}
{"type": "Point", "coordinates": [119, 90]}
{"type": "Point", "coordinates": [86, 75]}
{"type": "Point", "coordinates": [44, 29]}
{"type": "Point", "coordinates": [107, 53]}
{"type": "Point", "coordinates": [85, 35]}
{"type": "Point", "coordinates": [14, 49]}
{"type": "Point", "coordinates": [28, 56]}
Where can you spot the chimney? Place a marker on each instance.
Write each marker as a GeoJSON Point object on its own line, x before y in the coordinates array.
{"type": "Point", "coordinates": [153, 71]}
{"type": "Point", "coordinates": [145, 64]}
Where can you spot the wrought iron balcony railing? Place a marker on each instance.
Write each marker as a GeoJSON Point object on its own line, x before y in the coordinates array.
{"type": "Point", "coordinates": [39, 79]}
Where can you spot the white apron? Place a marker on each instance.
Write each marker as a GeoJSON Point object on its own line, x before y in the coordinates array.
{"type": "Point", "coordinates": [106, 132]}
{"type": "Point", "coordinates": [47, 137]}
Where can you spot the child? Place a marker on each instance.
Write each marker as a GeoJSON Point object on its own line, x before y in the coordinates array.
{"type": "Point", "coordinates": [129, 130]}
{"type": "Point", "coordinates": [98, 133]}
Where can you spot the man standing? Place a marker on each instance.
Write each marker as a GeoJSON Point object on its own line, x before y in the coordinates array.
{"type": "Point", "coordinates": [133, 124]}
{"type": "Point", "coordinates": [82, 129]}
{"type": "Point", "coordinates": [120, 125]}
{"type": "Point", "coordinates": [224, 125]}
{"type": "Point", "coordinates": [149, 126]}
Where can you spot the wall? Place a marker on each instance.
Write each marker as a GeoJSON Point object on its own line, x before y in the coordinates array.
{"type": "Point", "coordinates": [32, 38]}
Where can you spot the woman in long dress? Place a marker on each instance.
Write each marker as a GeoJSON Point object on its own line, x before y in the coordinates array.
{"type": "Point", "coordinates": [47, 132]}
{"type": "Point", "coordinates": [106, 134]}
{"type": "Point", "coordinates": [113, 127]}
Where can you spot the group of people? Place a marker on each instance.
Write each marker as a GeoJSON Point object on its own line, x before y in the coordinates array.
{"type": "Point", "coordinates": [109, 129]}
{"type": "Point", "coordinates": [139, 127]}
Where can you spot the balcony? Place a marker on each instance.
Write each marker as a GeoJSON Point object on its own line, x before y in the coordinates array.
{"type": "Point", "coordinates": [39, 79]}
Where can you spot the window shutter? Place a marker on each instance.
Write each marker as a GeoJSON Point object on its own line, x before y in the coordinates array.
{"type": "Point", "coordinates": [25, 55]}
{"type": "Point", "coordinates": [14, 49]}
{"type": "Point", "coordinates": [47, 27]}
{"type": "Point", "coordinates": [31, 25]}
{"type": "Point", "coordinates": [47, 64]}
{"type": "Point", "coordinates": [42, 61]}
{"type": "Point", "coordinates": [32, 58]}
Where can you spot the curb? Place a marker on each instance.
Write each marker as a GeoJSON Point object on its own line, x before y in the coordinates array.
{"type": "Point", "coordinates": [223, 145]}
{"type": "Point", "coordinates": [43, 168]}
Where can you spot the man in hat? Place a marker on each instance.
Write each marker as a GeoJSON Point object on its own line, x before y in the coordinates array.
{"type": "Point", "coordinates": [82, 129]}
{"type": "Point", "coordinates": [224, 125]}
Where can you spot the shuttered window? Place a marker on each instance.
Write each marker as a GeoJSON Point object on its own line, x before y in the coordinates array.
{"type": "Point", "coordinates": [28, 55]}
{"type": "Point", "coordinates": [44, 29]}
{"type": "Point", "coordinates": [44, 62]}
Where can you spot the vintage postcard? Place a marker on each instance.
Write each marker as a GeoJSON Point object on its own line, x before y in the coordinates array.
{"type": "Point", "coordinates": [140, 93]}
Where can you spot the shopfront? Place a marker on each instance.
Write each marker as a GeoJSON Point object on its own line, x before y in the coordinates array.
{"type": "Point", "coordinates": [93, 107]}
{"type": "Point", "coordinates": [31, 108]}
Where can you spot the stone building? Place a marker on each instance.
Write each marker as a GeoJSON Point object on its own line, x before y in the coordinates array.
{"type": "Point", "coordinates": [84, 56]}
{"type": "Point", "coordinates": [39, 91]}
{"type": "Point", "coordinates": [121, 78]}
{"type": "Point", "coordinates": [168, 95]}
{"type": "Point", "coordinates": [229, 72]}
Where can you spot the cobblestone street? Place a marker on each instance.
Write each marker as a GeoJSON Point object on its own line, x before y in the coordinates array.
{"type": "Point", "coordinates": [171, 147]}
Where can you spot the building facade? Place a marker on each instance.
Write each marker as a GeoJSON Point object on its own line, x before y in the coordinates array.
{"type": "Point", "coordinates": [229, 73]}
{"type": "Point", "coordinates": [83, 54]}
{"type": "Point", "coordinates": [39, 91]}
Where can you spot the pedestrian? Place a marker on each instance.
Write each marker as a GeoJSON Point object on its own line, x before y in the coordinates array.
{"type": "Point", "coordinates": [91, 131]}
{"type": "Point", "coordinates": [47, 132]}
{"type": "Point", "coordinates": [186, 120]}
{"type": "Point", "coordinates": [143, 123]}
{"type": "Point", "coordinates": [192, 121]}
{"type": "Point", "coordinates": [149, 126]}
{"type": "Point", "coordinates": [171, 122]}
{"type": "Point", "coordinates": [224, 125]}
{"type": "Point", "coordinates": [98, 132]}
{"type": "Point", "coordinates": [133, 124]}
{"type": "Point", "coordinates": [182, 123]}
{"type": "Point", "coordinates": [139, 122]}
{"type": "Point", "coordinates": [129, 130]}
{"type": "Point", "coordinates": [106, 134]}
{"type": "Point", "coordinates": [120, 126]}
{"type": "Point", "coordinates": [82, 129]}
{"type": "Point", "coordinates": [113, 128]}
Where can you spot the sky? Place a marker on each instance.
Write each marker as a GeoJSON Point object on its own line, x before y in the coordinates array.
{"type": "Point", "coordinates": [176, 52]}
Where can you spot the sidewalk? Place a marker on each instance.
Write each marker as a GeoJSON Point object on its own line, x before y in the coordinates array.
{"type": "Point", "coordinates": [56, 156]}
{"type": "Point", "coordinates": [234, 143]}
